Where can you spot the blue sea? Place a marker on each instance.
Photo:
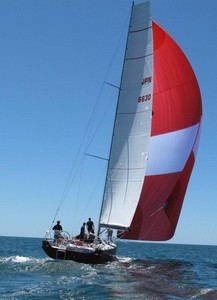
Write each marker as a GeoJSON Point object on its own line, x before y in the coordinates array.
{"type": "Point", "coordinates": [141, 271]}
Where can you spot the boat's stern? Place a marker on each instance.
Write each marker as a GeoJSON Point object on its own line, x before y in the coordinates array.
{"type": "Point", "coordinates": [48, 249]}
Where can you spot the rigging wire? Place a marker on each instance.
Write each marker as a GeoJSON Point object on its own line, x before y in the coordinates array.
{"type": "Point", "coordinates": [88, 127]}
{"type": "Point", "coordinates": [91, 196]}
{"type": "Point", "coordinates": [78, 195]}
{"type": "Point", "coordinates": [105, 112]}
{"type": "Point", "coordinates": [100, 122]}
{"type": "Point", "coordinates": [71, 177]}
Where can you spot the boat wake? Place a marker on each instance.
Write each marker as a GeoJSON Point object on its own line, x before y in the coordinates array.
{"type": "Point", "coordinates": [124, 277]}
{"type": "Point", "coordinates": [168, 277]}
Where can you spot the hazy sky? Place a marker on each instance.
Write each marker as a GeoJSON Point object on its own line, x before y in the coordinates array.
{"type": "Point", "coordinates": [54, 57]}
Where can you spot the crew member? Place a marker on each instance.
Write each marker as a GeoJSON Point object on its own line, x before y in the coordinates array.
{"type": "Point", "coordinates": [90, 226]}
{"type": "Point", "coordinates": [57, 230]}
{"type": "Point", "coordinates": [83, 232]}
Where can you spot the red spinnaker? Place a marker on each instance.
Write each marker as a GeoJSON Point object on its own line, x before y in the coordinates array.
{"type": "Point", "coordinates": [176, 107]}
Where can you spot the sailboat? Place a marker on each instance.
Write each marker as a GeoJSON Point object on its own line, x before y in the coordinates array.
{"type": "Point", "coordinates": [154, 144]}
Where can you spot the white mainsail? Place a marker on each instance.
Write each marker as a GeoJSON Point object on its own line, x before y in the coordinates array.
{"type": "Point", "coordinates": [130, 143]}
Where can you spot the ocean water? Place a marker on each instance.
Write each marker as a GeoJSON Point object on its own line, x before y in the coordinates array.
{"type": "Point", "coordinates": [141, 271]}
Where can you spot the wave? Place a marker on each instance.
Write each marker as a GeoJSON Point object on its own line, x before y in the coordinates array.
{"type": "Point", "coordinates": [21, 259]}
{"type": "Point", "coordinates": [22, 264]}
{"type": "Point", "coordinates": [123, 259]}
{"type": "Point", "coordinates": [125, 278]}
{"type": "Point", "coordinates": [205, 293]}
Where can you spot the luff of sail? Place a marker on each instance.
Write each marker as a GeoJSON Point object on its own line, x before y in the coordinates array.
{"type": "Point", "coordinates": [130, 143]}
{"type": "Point", "coordinates": [175, 131]}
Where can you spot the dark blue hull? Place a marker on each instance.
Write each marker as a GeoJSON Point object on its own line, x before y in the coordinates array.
{"type": "Point", "coordinates": [96, 257]}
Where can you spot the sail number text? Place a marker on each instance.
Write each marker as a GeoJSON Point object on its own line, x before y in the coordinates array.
{"type": "Point", "coordinates": [144, 98]}
{"type": "Point", "coordinates": [145, 81]}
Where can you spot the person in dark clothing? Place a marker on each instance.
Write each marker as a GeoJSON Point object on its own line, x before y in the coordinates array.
{"type": "Point", "coordinates": [109, 234]}
{"type": "Point", "coordinates": [90, 226]}
{"type": "Point", "coordinates": [58, 226]}
{"type": "Point", "coordinates": [57, 230]}
{"type": "Point", "coordinates": [83, 232]}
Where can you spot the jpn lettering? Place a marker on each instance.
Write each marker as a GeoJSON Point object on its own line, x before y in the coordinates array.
{"type": "Point", "coordinates": [147, 80]}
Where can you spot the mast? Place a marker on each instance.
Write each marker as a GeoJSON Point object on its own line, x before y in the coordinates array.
{"type": "Point", "coordinates": [115, 117]}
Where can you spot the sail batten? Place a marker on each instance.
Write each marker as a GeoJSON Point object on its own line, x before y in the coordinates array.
{"type": "Point", "coordinates": [139, 57]}
{"type": "Point", "coordinates": [133, 31]}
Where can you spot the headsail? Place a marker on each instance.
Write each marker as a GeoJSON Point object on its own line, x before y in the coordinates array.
{"type": "Point", "coordinates": [129, 150]}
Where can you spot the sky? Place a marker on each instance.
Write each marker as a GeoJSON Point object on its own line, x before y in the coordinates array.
{"type": "Point", "coordinates": [54, 57]}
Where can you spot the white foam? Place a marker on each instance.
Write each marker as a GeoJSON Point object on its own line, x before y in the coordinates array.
{"type": "Point", "coordinates": [123, 259]}
{"type": "Point", "coordinates": [202, 292]}
{"type": "Point", "coordinates": [20, 259]}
